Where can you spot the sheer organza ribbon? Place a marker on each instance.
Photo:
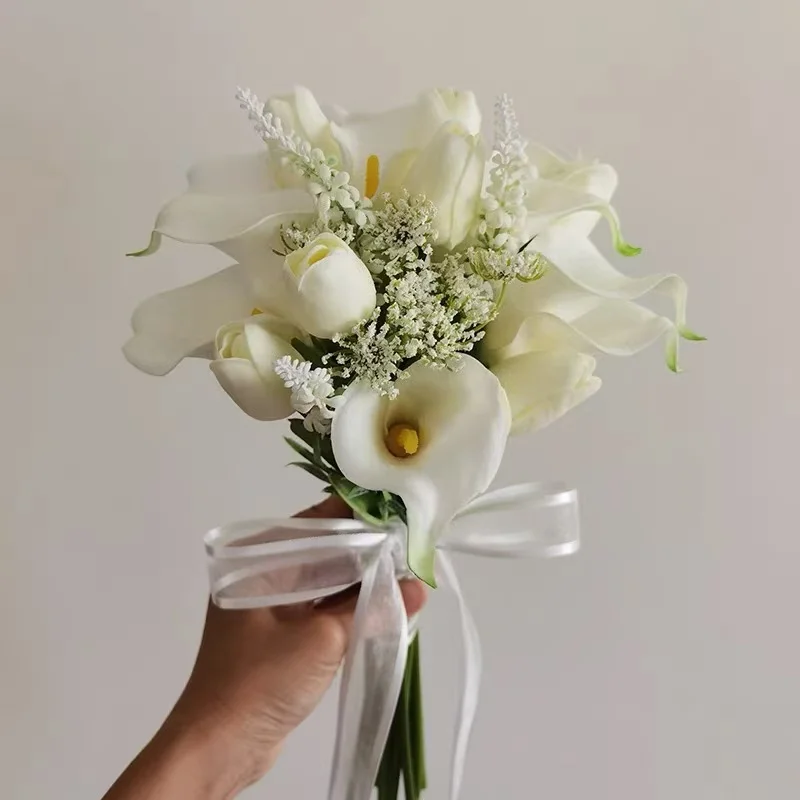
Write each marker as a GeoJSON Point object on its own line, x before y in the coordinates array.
{"type": "Point", "coordinates": [272, 562]}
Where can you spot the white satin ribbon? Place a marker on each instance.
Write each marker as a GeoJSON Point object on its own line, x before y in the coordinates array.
{"type": "Point", "coordinates": [272, 562]}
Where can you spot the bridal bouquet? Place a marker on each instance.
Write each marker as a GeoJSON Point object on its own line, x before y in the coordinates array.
{"type": "Point", "coordinates": [407, 298]}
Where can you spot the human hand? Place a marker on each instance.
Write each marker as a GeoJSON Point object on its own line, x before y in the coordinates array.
{"type": "Point", "coordinates": [259, 673]}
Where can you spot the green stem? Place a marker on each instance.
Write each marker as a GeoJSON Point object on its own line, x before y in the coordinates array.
{"type": "Point", "coordinates": [417, 716]}
{"type": "Point", "coordinates": [408, 743]}
{"type": "Point", "coordinates": [404, 752]}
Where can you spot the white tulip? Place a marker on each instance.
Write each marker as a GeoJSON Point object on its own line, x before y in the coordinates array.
{"type": "Point", "coordinates": [437, 445]}
{"type": "Point", "coordinates": [246, 354]}
{"type": "Point", "coordinates": [450, 172]}
{"type": "Point", "coordinates": [543, 386]}
{"type": "Point", "coordinates": [330, 289]}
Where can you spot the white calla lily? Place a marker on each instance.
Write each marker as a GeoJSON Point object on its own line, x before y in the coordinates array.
{"type": "Point", "coordinates": [582, 301]}
{"type": "Point", "coordinates": [450, 173]}
{"type": "Point", "coordinates": [182, 322]}
{"type": "Point", "coordinates": [437, 445]}
{"type": "Point", "coordinates": [246, 353]}
{"type": "Point", "coordinates": [227, 198]}
{"type": "Point", "coordinates": [543, 386]}
{"type": "Point", "coordinates": [300, 112]}
{"type": "Point", "coordinates": [377, 150]}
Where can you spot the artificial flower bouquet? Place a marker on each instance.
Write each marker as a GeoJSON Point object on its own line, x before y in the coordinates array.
{"type": "Point", "coordinates": [407, 299]}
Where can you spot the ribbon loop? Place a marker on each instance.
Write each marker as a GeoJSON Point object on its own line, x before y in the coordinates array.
{"type": "Point", "coordinates": [272, 562]}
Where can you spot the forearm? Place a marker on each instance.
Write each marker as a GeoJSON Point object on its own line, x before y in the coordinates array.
{"type": "Point", "coordinates": [183, 763]}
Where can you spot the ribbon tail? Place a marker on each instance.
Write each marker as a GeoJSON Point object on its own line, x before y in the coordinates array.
{"type": "Point", "coordinates": [371, 680]}
{"type": "Point", "coordinates": [473, 665]}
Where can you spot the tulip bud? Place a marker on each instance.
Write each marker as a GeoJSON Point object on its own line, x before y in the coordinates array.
{"type": "Point", "coordinates": [329, 287]}
{"type": "Point", "coordinates": [246, 354]}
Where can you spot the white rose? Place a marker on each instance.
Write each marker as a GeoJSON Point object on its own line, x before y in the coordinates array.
{"type": "Point", "coordinates": [329, 287]}
{"type": "Point", "coordinates": [449, 172]}
{"type": "Point", "coordinates": [246, 354]}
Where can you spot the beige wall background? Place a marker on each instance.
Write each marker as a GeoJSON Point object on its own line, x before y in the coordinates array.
{"type": "Point", "coordinates": [662, 662]}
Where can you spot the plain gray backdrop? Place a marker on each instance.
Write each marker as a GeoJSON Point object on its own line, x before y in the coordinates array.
{"type": "Point", "coordinates": [659, 663]}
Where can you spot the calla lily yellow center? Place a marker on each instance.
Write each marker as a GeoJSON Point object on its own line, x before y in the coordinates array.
{"type": "Point", "coordinates": [402, 440]}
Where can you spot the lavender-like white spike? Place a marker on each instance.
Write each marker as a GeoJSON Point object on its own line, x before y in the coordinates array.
{"type": "Point", "coordinates": [335, 197]}
{"type": "Point", "coordinates": [503, 211]}
{"type": "Point", "coordinates": [270, 127]}
{"type": "Point", "coordinates": [506, 128]}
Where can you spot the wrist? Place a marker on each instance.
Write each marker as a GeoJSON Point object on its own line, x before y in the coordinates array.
{"type": "Point", "coordinates": [216, 760]}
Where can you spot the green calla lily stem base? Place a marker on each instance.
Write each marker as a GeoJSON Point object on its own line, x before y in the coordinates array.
{"type": "Point", "coordinates": [404, 754]}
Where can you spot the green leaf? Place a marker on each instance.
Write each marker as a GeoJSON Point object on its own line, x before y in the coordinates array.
{"type": "Point", "coordinates": [307, 454]}
{"type": "Point", "coordinates": [312, 469]}
{"type": "Point", "coordinates": [358, 502]}
{"type": "Point", "coordinates": [301, 432]}
{"type": "Point", "coordinates": [327, 452]}
{"type": "Point", "coordinates": [155, 243]}
{"type": "Point", "coordinates": [318, 450]}
{"type": "Point", "coordinates": [307, 351]}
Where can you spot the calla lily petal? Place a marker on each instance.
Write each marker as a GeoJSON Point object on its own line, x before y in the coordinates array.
{"type": "Point", "coordinates": [543, 386]}
{"type": "Point", "coordinates": [463, 420]}
{"type": "Point", "coordinates": [175, 324]}
{"type": "Point", "coordinates": [396, 136]}
{"type": "Point", "coordinates": [228, 196]}
{"type": "Point", "coordinates": [450, 172]}
{"type": "Point", "coordinates": [230, 175]}
{"type": "Point", "coordinates": [386, 135]}
{"type": "Point", "coordinates": [575, 318]}
{"type": "Point", "coordinates": [583, 300]}
{"type": "Point", "coordinates": [207, 219]}
{"type": "Point", "coordinates": [262, 245]}
{"type": "Point", "coordinates": [551, 202]}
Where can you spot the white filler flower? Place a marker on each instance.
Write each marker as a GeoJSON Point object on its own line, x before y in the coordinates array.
{"type": "Point", "coordinates": [437, 445]}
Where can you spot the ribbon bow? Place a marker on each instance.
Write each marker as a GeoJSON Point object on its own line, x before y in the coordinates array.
{"type": "Point", "coordinates": [272, 562]}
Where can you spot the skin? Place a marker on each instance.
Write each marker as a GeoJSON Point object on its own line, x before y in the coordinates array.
{"type": "Point", "coordinates": [259, 673]}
